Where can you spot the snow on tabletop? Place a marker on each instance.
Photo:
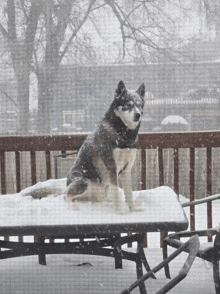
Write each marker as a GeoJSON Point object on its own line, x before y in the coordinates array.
{"type": "Point", "coordinates": [159, 205]}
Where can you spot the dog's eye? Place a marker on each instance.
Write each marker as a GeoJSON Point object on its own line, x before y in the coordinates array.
{"type": "Point", "coordinates": [139, 105]}
{"type": "Point", "coordinates": [129, 105]}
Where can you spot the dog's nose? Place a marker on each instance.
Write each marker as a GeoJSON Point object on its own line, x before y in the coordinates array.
{"type": "Point", "coordinates": [137, 116]}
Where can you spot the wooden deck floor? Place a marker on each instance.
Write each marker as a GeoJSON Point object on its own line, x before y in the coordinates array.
{"type": "Point", "coordinates": [82, 274]}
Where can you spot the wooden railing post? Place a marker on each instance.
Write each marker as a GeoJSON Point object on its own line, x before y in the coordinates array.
{"type": "Point", "coordinates": [18, 171]}
{"type": "Point", "coordinates": [33, 168]}
{"type": "Point", "coordinates": [176, 171]}
{"type": "Point", "coordinates": [209, 189]}
{"type": "Point", "coordinates": [48, 164]}
{"type": "Point", "coordinates": [161, 183]}
{"type": "Point", "coordinates": [143, 169]}
{"type": "Point", "coordinates": [143, 181]}
{"type": "Point", "coordinates": [3, 174]}
{"type": "Point", "coordinates": [161, 167]}
{"type": "Point", "coordinates": [192, 188]}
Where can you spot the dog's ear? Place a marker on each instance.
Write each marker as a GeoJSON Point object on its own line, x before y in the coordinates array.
{"type": "Point", "coordinates": [120, 89]}
{"type": "Point", "coordinates": [141, 90]}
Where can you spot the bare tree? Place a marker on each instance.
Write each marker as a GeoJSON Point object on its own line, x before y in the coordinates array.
{"type": "Point", "coordinates": [58, 18]}
{"type": "Point", "coordinates": [41, 33]}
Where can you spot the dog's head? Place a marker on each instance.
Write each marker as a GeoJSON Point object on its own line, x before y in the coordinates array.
{"type": "Point", "coordinates": [129, 104]}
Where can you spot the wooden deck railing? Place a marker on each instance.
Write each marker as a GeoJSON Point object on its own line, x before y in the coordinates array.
{"type": "Point", "coordinates": [147, 141]}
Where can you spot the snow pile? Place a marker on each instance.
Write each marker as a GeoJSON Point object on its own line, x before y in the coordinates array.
{"type": "Point", "coordinates": [158, 205]}
{"type": "Point", "coordinates": [174, 119]}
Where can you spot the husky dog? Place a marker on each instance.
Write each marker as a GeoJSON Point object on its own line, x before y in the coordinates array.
{"type": "Point", "coordinates": [108, 154]}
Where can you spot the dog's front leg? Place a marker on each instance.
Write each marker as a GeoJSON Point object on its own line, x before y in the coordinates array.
{"type": "Point", "coordinates": [110, 178]}
{"type": "Point", "coordinates": [125, 178]}
{"type": "Point", "coordinates": [126, 183]}
{"type": "Point", "coordinates": [119, 205]}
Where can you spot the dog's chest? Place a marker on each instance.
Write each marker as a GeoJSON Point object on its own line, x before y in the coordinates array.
{"type": "Point", "coordinates": [124, 158]}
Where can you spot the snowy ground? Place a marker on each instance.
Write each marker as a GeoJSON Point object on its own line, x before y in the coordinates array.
{"type": "Point", "coordinates": [63, 274]}
{"type": "Point", "coordinates": [91, 274]}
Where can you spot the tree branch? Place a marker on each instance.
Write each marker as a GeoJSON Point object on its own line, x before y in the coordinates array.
{"type": "Point", "coordinates": [3, 31]}
{"type": "Point", "coordinates": [76, 31]}
{"type": "Point", "coordinates": [9, 97]}
{"type": "Point", "coordinates": [32, 21]}
{"type": "Point", "coordinates": [121, 21]}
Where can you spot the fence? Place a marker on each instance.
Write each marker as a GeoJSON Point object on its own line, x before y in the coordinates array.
{"type": "Point", "coordinates": [174, 159]}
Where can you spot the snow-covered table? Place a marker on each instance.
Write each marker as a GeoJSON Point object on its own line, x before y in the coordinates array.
{"type": "Point", "coordinates": [97, 222]}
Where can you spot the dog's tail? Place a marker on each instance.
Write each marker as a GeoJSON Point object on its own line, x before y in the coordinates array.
{"type": "Point", "coordinates": [46, 188]}
{"type": "Point", "coordinates": [39, 193]}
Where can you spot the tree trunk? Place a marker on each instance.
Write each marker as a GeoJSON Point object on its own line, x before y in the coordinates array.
{"type": "Point", "coordinates": [21, 50]}
{"type": "Point", "coordinates": [23, 101]}
{"type": "Point", "coordinates": [45, 101]}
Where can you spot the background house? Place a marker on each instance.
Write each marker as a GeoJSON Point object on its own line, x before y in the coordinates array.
{"type": "Point", "coordinates": [189, 90]}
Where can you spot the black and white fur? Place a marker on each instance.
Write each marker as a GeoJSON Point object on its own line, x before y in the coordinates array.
{"type": "Point", "coordinates": [108, 154]}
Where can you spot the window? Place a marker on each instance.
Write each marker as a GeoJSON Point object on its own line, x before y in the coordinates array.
{"type": "Point", "coordinates": [73, 120]}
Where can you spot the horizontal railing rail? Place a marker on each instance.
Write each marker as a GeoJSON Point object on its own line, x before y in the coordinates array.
{"type": "Point", "coordinates": [147, 141]}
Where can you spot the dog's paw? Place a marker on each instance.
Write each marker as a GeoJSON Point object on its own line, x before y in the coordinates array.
{"type": "Point", "coordinates": [73, 206]}
{"type": "Point", "coordinates": [136, 209]}
{"type": "Point", "coordinates": [121, 212]}
{"type": "Point", "coordinates": [122, 209]}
